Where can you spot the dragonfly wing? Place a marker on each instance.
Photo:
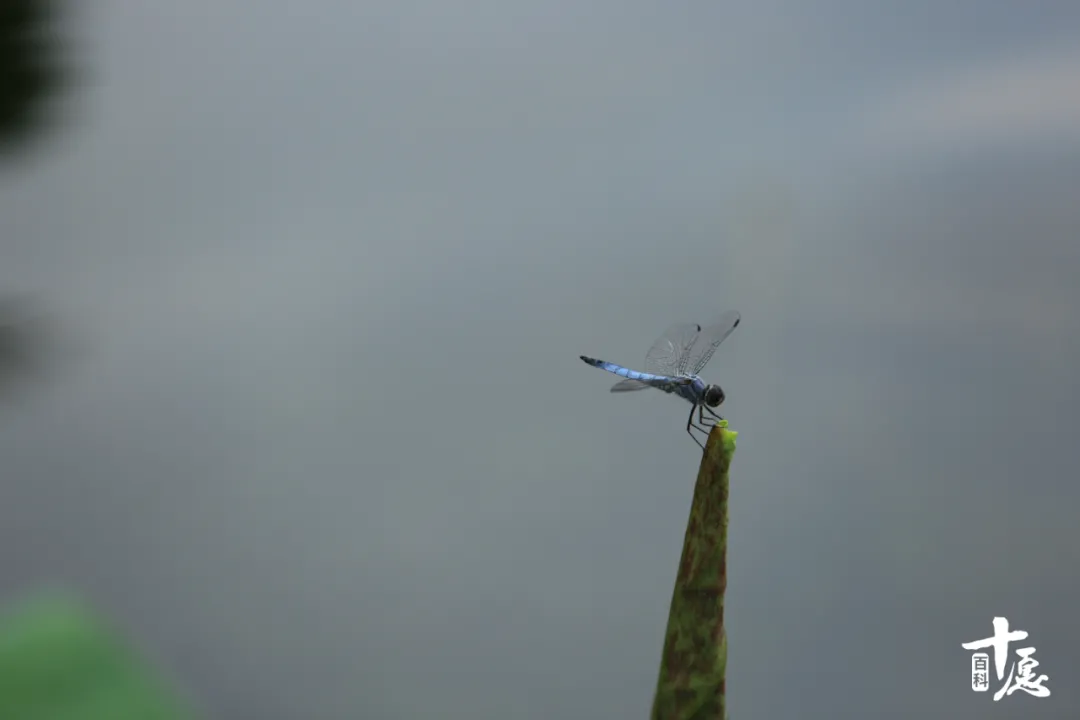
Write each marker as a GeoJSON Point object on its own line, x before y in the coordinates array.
{"type": "Point", "coordinates": [669, 352]}
{"type": "Point", "coordinates": [628, 386]}
{"type": "Point", "coordinates": [706, 342]}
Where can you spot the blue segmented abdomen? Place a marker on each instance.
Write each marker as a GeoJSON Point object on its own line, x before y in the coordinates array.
{"type": "Point", "coordinates": [647, 378]}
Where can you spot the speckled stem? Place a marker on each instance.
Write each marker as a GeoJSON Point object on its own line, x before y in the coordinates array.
{"type": "Point", "coordinates": [692, 669]}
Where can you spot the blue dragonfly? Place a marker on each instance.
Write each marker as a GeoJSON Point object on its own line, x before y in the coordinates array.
{"type": "Point", "coordinates": [672, 365]}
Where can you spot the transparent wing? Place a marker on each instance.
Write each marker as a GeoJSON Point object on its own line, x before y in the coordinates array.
{"type": "Point", "coordinates": [669, 352]}
{"type": "Point", "coordinates": [706, 342]}
{"type": "Point", "coordinates": [628, 386]}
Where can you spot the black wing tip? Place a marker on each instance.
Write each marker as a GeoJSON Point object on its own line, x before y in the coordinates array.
{"type": "Point", "coordinates": [738, 319]}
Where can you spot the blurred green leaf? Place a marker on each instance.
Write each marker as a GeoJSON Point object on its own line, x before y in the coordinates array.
{"type": "Point", "coordinates": [58, 662]}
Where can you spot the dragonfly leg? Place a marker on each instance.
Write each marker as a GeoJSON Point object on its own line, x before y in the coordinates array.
{"type": "Point", "coordinates": [690, 424]}
{"type": "Point", "coordinates": [704, 424]}
{"type": "Point", "coordinates": [712, 412]}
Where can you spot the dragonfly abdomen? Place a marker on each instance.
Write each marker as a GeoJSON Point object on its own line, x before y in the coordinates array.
{"type": "Point", "coordinates": [679, 386]}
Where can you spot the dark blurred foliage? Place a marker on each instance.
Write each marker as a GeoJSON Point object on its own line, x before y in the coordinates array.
{"type": "Point", "coordinates": [21, 343]}
{"type": "Point", "coordinates": [30, 69]}
{"type": "Point", "coordinates": [30, 76]}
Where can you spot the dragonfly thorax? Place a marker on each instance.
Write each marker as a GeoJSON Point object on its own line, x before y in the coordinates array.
{"type": "Point", "coordinates": [713, 395]}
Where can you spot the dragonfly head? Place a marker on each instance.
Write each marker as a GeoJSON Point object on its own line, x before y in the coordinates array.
{"type": "Point", "coordinates": [713, 395]}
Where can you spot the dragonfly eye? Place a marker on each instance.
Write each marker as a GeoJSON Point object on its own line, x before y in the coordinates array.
{"type": "Point", "coordinates": [713, 395]}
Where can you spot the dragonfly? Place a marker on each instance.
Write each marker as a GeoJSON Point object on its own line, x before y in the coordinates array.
{"type": "Point", "coordinates": [672, 365]}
